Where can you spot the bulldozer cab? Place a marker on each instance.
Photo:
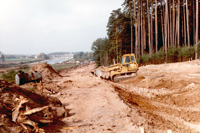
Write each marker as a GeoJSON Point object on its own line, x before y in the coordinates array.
{"type": "Point", "coordinates": [128, 58]}
{"type": "Point", "coordinates": [129, 61]}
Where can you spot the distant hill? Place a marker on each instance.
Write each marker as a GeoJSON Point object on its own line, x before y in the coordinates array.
{"type": "Point", "coordinates": [77, 52]}
{"type": "Point", "coordinates": [58, 53]}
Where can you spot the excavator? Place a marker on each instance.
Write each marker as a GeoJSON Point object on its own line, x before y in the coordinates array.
{"type": "Point", "coordinates": [126, 69]}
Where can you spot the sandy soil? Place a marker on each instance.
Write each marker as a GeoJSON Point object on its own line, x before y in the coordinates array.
{"type": "Point", "coordinates": [95, 105]}
{"type": "Point", "coordinates": [160, 98]}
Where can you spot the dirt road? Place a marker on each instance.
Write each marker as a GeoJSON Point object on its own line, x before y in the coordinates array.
{"type": "Point", "coordinates": [95, 105]}
{"type": "Point", "coordinates": [160, 98]}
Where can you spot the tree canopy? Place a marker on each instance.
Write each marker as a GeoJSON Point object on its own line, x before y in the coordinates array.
{"type": "Point", "coordinates": [147, 27]}
{"type": "Point", "coordinates": [2, 58]}
{"type": "Point", "coordinates": [43, 56]}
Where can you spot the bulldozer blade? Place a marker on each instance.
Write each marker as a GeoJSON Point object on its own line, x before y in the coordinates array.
{"type": "Point", "coordinates": [101, 73]}
{"type": "Point", "coordinates": [124, 77]}
{"type": "Point", "coordinates": [98, 73]}
{"type": "Point", "coordinates": [105, 74]}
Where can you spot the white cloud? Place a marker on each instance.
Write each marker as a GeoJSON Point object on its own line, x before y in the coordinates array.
{"type": "Point", "coordinates": [36, 26]}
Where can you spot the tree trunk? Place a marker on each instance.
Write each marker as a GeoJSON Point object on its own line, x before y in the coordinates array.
{"type": "Point", "coordinates": [131, 15]}
{"type": "Point", "coordinates": [151, 28]}
{"type": "Point", "coordinates": [107, 59]}
{"type": "Point", "coordinates": [145, 42]}
{"type": "Point", "coordinates": [116, 43]}
{"type": "Point", "coordinates": [162, 26]}
{"type": "Point", "coordinates": [197, 26]}
{"type": "Point", "coordinates": [142, 32]}
{"type": "Point", "coordinates": [139, 26]}
{"type": "Point", "coordinates": [184, 25]}
{"type": "Point", "coordinates": [178, 25]}
{"type": "Point", "coordinates": [156, 25]}
{"type": "Point", "coordinates": [135, 29]}
{"type": "Point", "coordinates": [194, 24]}
{"type": "Point", "coordinates": [166, 27]}
{"type": "Point", "coordinates": [173, 27]}
{"type": "Point", "coordinates": [169, 25]}
{"type": "Point", "coordinates": [149, 33]}
{"type": "Point", "coordinates": [188, 27]}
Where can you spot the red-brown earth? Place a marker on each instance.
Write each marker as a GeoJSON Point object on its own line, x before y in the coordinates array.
{"type": "Point", "coordinates": [160, 98]}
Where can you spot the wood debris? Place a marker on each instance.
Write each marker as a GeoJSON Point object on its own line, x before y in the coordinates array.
{"type": "Point", "coordinates": [24, 110]}
{"type": "Point", "coordinates": [22, 115]}
{"type": "Point", "coordinates": [16, 112]}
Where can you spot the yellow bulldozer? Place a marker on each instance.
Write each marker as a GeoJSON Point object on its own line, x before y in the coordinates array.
{"type": "Point", "coordinates": [127, 69]}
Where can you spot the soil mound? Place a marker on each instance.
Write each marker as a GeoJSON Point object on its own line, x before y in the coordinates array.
{"type": "Point", "coordinates": [47, 72]}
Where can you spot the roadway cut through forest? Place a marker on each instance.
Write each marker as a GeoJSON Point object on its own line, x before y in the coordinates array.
{"type": "Point", "coordinates": [160, 98]}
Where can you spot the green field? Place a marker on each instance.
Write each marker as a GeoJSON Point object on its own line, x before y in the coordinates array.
{"type": "Point", "coordinates": [19, 59]}
{"type": "Point", "coordinates": [59, 67]}
{"type": "Point", "coordinates": [10, 75]}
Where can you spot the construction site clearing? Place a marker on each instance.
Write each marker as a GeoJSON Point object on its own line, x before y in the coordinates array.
{"type": "Point", "coordinates": [160, 98]}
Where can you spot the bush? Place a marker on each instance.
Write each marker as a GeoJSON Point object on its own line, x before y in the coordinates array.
{"type": "Point", "coordinates": [186, 53]}
{"type": "Point", "coordinates": [9, 76]}
{"type": "Point", "coordinates": [198, 49]}
{"type": "Point", "coordinates": [172, 54]}
{"type": "Point", "coordinates": [81, 56]}
{"type": "Point", "coordinates": [155, 58]}
{"type": "Point", "coordinates": [161, 55]}
{"type": "Point", "coordinates": [143, 60]}
{"type": "Point", "coordinates": [158, 57]}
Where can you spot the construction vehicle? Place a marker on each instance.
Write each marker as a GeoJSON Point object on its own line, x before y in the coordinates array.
{"type": "Point", "coordinates": [22, 78]}
{"type": "Point", "coordinates": [127, 69]}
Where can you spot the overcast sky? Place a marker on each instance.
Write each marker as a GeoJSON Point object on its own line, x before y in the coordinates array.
{"type": "Point", "coordinates": [35, 26]}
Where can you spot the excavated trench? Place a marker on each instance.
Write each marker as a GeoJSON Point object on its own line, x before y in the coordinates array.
{"type": "Point", "coordinates": [158, 115]}
{"type": "Point", "coordinates": [145, 107]}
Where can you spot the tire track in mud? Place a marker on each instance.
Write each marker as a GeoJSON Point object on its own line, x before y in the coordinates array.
{"type": "Point", "coordinates": [158, 116]}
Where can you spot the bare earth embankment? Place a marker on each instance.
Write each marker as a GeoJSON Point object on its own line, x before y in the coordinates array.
{"type": "Point", "coordinates": [160, 98]}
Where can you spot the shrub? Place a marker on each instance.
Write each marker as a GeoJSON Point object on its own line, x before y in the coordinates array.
{"type": "Point", "coordinates": [143, 60]}
{"type": "Point", "coordinates": [159, 57]}
{"type": "Point", "coordinates": [172, 54]}
{"type": "Point", "coordinates": [187, 52]}
{"type": "Point", "coordinates": [9, 76]}
{"type": "Point", "coordinates": [198, 49]}
{"type": "Point", "coordinates": [155, 58]}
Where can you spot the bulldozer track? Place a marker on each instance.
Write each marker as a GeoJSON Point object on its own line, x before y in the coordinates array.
{"type": "Point", "coordinates": [153, 112]}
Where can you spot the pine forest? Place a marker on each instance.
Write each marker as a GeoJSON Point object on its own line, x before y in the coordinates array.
{"type": "Point", "coordinates": [157, 31]}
